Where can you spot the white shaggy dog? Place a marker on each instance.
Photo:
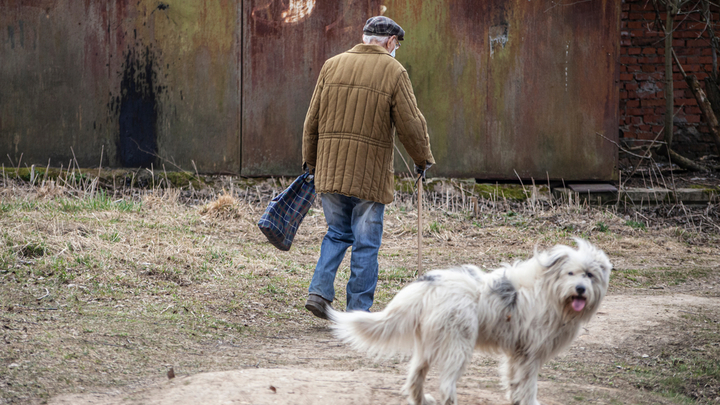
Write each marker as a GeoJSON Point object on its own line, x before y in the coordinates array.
{"type": "Point", "coordinates": [527, 312]}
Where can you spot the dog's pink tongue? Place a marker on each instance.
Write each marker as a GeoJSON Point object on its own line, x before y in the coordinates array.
{"type": "Point", "coordinates": [578, 304]}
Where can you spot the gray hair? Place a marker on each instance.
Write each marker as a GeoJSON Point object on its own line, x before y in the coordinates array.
{"type": "Point", "coordinates": [375, 39]}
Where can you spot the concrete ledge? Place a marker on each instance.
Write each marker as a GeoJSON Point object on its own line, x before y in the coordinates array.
{"type": "Point", "coordinates": [641, 196]}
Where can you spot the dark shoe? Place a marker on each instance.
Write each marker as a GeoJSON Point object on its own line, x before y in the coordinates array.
{"type": "Point", "coordinates": [317, 305]}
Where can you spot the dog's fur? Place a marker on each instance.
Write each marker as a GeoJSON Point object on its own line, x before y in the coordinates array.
{"type": "Point", "coordinates": [527, 312]}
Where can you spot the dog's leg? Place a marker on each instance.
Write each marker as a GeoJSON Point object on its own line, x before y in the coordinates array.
{"type": "Point", "coordinates": [418, 369]}
{"type": "Point", "coordinates": [452, 366]}
{"type": "Point", "coordinates": [522, 387]}
{"type": "Point", "coordinates": [507, 374]}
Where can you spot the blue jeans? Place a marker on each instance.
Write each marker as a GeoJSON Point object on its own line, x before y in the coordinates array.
{"type": "Point", "coordinates": [351, 222]}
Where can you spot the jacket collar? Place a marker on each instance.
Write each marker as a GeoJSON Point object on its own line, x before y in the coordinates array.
{"type": "Point", "coordinates": [364, 48]}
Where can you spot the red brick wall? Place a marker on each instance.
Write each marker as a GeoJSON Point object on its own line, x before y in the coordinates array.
{"type": "Point", "coordinates": [642, 76]}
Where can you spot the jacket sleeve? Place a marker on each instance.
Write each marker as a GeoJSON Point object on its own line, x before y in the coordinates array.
{"type": "Point", "coordinates": [410, 123]}
{"type": "Point", "coordinates": [310, 129]}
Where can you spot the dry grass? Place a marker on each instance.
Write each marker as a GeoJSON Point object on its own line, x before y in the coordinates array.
{"type": "Point", "coordinates": [109, 288]}
{"type": "Point", "coordinates": [225, 206]}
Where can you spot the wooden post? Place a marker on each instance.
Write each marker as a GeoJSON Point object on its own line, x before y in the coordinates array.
{"type": "Point", "coordinates": [419, 241]}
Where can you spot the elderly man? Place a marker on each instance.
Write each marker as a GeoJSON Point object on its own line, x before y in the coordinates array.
{"type": "Point", "coordinates": [361, 98]}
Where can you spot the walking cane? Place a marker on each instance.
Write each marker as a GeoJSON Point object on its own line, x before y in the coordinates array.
{"type": "Point", "coordinates": [420, 191]}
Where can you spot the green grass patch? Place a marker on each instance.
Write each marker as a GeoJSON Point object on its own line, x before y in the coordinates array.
{"type": "Point", "coordinates": [658, 276]}
{"type": "Point", "coordinates": [690, 371]}
{"type": "Point", "coordinates": [636, 225]}
{"type": "Point", "coordinates": [435, 227]}
{"type": "Point", "coordinates": [602, 227]}
{"type": "Point", "coordinates": [396, 274]}
{"type": "Point", "coordinates": [33, 249]}
{"type": "Point", "coordinates": [514, 192]}
{"type": "Point", "coordinates": [101, 201]}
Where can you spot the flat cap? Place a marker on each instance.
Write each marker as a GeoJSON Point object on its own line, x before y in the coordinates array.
{"type": "Point", "coordinates": [383, 27]}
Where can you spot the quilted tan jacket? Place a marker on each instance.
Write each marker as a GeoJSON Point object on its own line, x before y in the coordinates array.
{"type": "Point", "coordinates": [362, 96]}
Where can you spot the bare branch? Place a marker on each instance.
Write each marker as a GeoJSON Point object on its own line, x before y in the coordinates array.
{"type": "Point", "coordinates": [626, 150]}
{"type": "Point", "coordinates": [157, 156]}
{"type": "Point", "coordinates": [685, 162]}
{"type": "Point", "coordinates": [678, 64]}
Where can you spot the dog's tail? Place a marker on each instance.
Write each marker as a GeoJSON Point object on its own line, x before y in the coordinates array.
{"type": "Point", "coordinates": [383, 334]}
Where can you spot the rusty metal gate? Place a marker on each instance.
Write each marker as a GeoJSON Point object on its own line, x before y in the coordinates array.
{"type": "Point", "coordinates": [139, 82]}
{"type": "Point", "coordinates": [506, 86]}
{"type": "Point", "coordinates": [285, 44]}
{"type": "Point", "coordinates": [515, 85]}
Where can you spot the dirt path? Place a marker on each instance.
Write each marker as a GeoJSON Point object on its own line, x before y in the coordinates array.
{"type": "Point", "coordinates": [318, 370]}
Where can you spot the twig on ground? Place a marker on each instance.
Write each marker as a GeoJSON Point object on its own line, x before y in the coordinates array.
{"type": "Point", "coordinates": [36, 309]}
{"type": "Point", "coordinates": [160, 157]}
{"type": "Point", "coordinates": [47, 292]}
{"type": "Point", "coordinates": [647, 151]}
{"type": "Point", "coordinates": [19, 320]}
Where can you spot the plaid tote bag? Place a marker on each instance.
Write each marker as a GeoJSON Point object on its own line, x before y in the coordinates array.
{"type": "Point", "coordinates": [283, 215]}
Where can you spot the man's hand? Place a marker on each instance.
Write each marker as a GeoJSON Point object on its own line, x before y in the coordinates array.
{"type": "Point", "coordinates": [421, 170]}
{"type": "Point", "coordinates": [307, 168]}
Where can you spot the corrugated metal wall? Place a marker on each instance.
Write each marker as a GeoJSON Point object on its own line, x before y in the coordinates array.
{"type": "Point", "coordinates": [128, 79]}
{"type": "Point", "coordinates": [516, 85]}
{"type": "Point", "coordinates": [505, 86]}
{"type": "Point", "coordinates": [285, 43]}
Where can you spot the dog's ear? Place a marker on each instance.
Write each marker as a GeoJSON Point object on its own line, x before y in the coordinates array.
{"type": "Point", "coordinates": [599, 256]}
{"type": "Point", "coordinates": [555, 256]}
{"type": "Point", "coordinates": [583, 245]}
{"type": "Point", "coordinates": [604, 262]}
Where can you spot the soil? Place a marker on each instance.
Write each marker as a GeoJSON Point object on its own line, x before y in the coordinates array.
{"type": "Point", "coordinates": [140, 290]}
{"type": "Point", "coordinates": [326, 372]}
